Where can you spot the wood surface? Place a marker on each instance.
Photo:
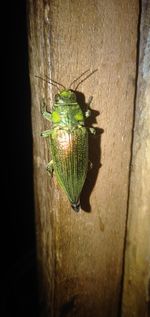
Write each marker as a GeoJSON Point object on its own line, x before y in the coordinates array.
{"type": "Point", "coordinates": [136, 297]}
{"type": "Point", "coordinates": [80, 256]}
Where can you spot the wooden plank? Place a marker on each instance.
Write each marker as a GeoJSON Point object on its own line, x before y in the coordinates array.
{"type": "Point", "coordinates": [80, 255]}
{"type": "Point", "coordinates": [136, 299]}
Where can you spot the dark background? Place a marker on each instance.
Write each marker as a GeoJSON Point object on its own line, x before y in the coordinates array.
{"type": "Point", "coordinates": [19, 276]}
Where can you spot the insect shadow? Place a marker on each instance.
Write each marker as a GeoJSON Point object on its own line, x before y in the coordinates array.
{"type": "Point", "coordinates": [94, 153]}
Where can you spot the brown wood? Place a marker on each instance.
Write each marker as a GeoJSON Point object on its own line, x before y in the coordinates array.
{"type": "Point", "coordinates": [80, 256]}
{"type": "Point", "coordinates": [136, 299]}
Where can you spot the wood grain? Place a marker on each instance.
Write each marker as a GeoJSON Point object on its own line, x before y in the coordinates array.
{"type": "Point", "coordinates": [136, 298]}
{"type": "Point", "coordinates": [80, 256]}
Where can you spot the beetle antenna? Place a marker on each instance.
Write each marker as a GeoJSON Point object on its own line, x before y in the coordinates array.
{"type": "Point", "coordinates": [55, 82]}
{"type": "Point", "coordinates": [78, 78]}
{"type": "Point", "coordinates": [51, 81]}
{"type": "Point", "coordinates": [47, 81]}
{"type": "Point", "coordinates": [95, 70]}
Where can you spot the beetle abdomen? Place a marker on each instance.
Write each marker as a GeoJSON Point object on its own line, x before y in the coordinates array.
{"type": "Point", "coordinates": [69, 147]}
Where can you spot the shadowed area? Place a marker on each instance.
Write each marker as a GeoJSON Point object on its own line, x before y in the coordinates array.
{"type": "Point", "coordinates": [94, 153]}
{"type": "Point", "coordinates": [19, 280]}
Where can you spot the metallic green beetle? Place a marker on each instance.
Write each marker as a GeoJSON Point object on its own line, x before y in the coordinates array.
{"type": "Point", "coordinates": [68, 140]}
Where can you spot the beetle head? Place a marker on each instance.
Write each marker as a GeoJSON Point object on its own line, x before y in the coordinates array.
{"type": "Point", "coordinates": [65, 96]}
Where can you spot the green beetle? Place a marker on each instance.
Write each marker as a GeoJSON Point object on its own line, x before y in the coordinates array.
{"type": "Point", "coordinates": [68, 141]}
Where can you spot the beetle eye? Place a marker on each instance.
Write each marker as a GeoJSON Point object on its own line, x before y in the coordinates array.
{"type": "Point", "coordinates": [73, 96]}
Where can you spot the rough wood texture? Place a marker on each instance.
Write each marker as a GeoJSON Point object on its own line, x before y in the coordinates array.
{"type": "Point", "coordinates": [136, 299]}
{"type": "Point", "coordinates": [80, 255]}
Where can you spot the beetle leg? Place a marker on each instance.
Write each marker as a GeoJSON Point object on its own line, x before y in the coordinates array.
{"type": "Point", "coordinates": [50, 167]}
{"type": "Point", "coordinates": [46, 114]}
{"type": "Point", "coordinates": [92, 130]}
{"type": "Point", "coordinates": [89, 101]}
{"type": "Point", "coordinates": [90, 165]}
{"type": "Point", "coordinates": [88, 112]}
{"type": "Point", "coordinates": [46, 133]}
{"type": "Point", "coordinates": [80, 126]}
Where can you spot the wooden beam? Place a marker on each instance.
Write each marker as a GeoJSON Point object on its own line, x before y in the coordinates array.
{"type": "Point", "coordinates": [80, 256]}
{"type": "Point", "coordinates": [136, 298]}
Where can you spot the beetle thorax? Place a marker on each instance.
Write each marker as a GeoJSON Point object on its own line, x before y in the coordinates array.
{"type": "Point", "coordinates": [67, 114]}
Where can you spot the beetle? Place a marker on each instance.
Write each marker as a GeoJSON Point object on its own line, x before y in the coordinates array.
{"type": "Point", "coordinates": [68, 141]}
